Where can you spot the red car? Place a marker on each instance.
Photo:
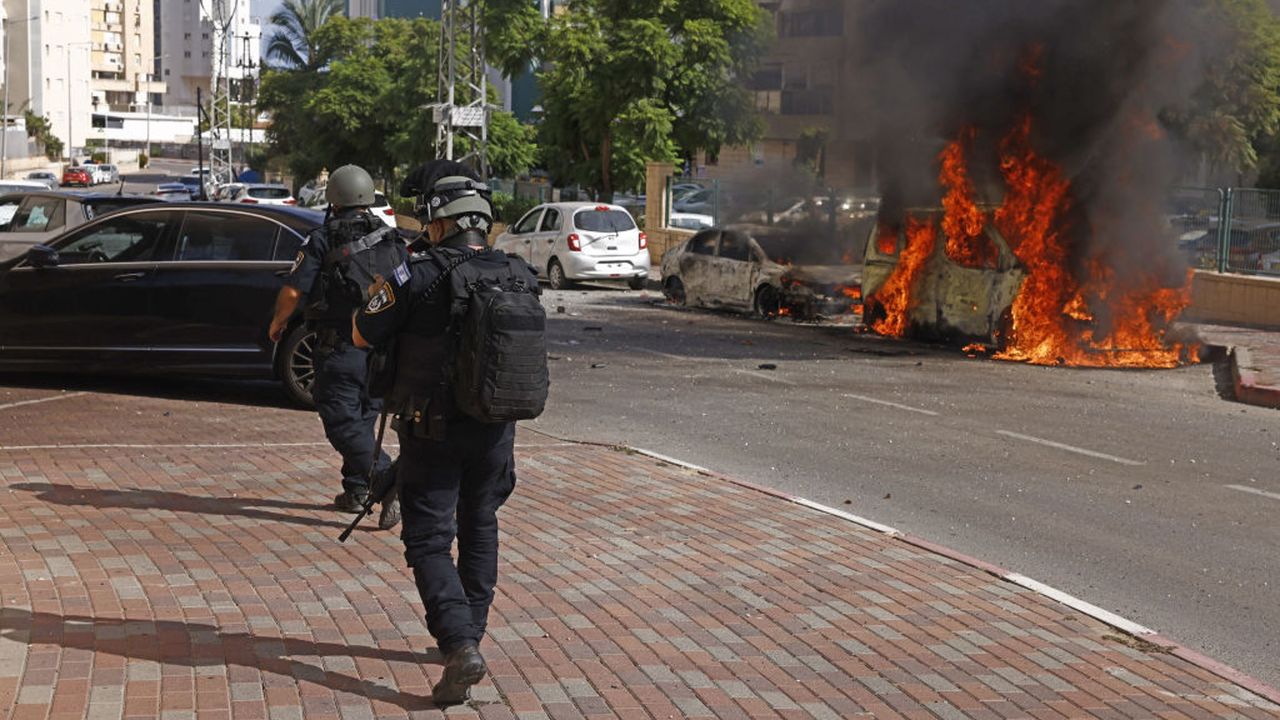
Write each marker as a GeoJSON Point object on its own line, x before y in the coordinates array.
{"type": "Point", "coordinates": [76, 176]}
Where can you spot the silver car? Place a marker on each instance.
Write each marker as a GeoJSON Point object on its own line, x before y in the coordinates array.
{"type": "Point", "coordinates": [46, 178]}
{"type": "Point", "coordinates": [573, 241]}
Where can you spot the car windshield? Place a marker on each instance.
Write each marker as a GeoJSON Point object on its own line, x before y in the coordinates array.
{"type": "Point", "coordinates": [607, 220]}
{"type": "Point", "coordinates": [794, 250]}
{"type": "Point", "coordinates": [269, 193]}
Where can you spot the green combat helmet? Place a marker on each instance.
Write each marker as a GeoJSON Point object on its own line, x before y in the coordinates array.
{"type": "Point", "coordinates": [349, 186]}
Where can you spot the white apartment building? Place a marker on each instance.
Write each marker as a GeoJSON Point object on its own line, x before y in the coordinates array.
{"type": "Point", "coordinates": [123, 54]}
{"type": "Point", "coordinates": [50, 51]}
{"type": "Point", "coordinates": [185, 38]}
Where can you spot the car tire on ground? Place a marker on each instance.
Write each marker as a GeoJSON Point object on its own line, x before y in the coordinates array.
{"type": "Point", "coordinates": [556, 277]}
{"type": "Point", "coordinates": [768, 303]}
{"type": "Point", "coordinates": [674, 291]}
{"type": "Point", "coordinates": [293, 364]}
{"type": "Point", "coordinates": [638, 283]}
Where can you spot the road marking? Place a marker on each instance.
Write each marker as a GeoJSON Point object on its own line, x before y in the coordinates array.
{"type": "Point", "coordinates": [765, 376]}
{"type": "Point", "coordinates": [63, 396]}
{"type": "Point", "coordinates": [886, 403]}
{"type": "Point", "coordinates": [1072, 448]}
{"type": "Point", "coordinates": [187, 446]}
{"type": "Point", "coordinates": [1255, 491]}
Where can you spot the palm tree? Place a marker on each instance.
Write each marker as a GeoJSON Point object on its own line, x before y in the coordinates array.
{"type": "Point", "coordinates": [292, 45]}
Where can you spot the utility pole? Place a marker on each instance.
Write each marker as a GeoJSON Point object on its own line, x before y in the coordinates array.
{"type": "Point", "coordinates": [222, 14]}
{"type": "Point", "coordinates": [462, 112]}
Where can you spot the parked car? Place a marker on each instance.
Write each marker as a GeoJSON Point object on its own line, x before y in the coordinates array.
{"type": "Point", "coordinates": [109, 172]}
{"type": "Point", "coordinates": [20, 186]}
{"type": "Point", "coordinates": [380, 207]}
{"type": "Point", "coordinates": [173, 192]}
{"type": "Point", "coordinates": [225, 192]}
{"type": "Point", "coordinates": [76, 175]}
{"type": "Point", "coordinates": [38, 215]}
{"type": "Point", "coordinates": [97, 174]}
{"type": "Point", "coordinates": [566, 242]}
{"type": "Point", "coordinates": [952, 302]}
{"type": "Point", "coordinates": [690, 221]}
{"type": "Point", "coordinates": [48, 179]}
{"type": "Point", "coordinates": [167, 287]}
{"type": "Point", "coordinates": [192, 184]}
{"type": "Point", "coordinates": [763, 270]}
{"type": "Point", "coordinates": [705, 201]}
{"type": "Point", "coordinates": [262, 194]}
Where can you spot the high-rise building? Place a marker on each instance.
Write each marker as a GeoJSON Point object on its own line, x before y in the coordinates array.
{"type": "Point", "coordinates": [185, 47]}
{"type": "Point", "coordinates": [123, 54]}
{"type": "Point", "coordinates": [50, 51]}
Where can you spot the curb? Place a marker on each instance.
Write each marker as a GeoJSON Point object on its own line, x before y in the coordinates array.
{"type": "Point", "coordinates": [1142, 633]}
{"type": "Point", "coordinates": [1245, 380]}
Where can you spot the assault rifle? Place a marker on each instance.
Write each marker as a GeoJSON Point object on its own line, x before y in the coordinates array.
{"type": "Point", "coordinates": [377, 490]}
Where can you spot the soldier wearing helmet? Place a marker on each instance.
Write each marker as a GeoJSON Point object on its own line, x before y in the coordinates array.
{"type": "Point", "coordinates": [455, 471]}
{"type": "Point", "coordinates": [340, 391]}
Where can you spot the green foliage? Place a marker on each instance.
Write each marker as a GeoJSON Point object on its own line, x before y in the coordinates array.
{"type": "Point", "coordinates": [508, 209]}
{"type": "Point", "coordinates": [98, 157]}
{"type": "Point", "coordinates": [143, 160]}
{"type": "Point", "coordinates": [811, 150]}
{"type": "Point", "coordinates": [1235, 111]}
{"type": "Point", "coordinates": [629, 82]}
{"type": "Point", "coordinates": [292, 43]}
{"type": "Point", "coordinates": [41, 129]}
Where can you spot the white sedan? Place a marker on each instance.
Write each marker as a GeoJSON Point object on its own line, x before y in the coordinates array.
{"type": "Point", "coordinates": [571, 241]}
{"type": "Point", "coordinates": [263, 194]}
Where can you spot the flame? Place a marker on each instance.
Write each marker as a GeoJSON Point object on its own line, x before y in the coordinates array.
{"type": "Point", "coordinates": [962, 221]}
{"type": "Point", "coordinates": [1058, 317]}
{"type": "Point", "coordinates": [854, 293]}
{"type": "Point", "coordinates": [886, 240]}
{"type": "Point", "coordinates": [896, 296]}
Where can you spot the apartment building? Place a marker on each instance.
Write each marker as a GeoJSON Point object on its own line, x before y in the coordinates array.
{"type": "Point", "coordinates": [797, 89]}
{"type": "Point", "coordinates": [122, 56]}
{"type": "Point", "coordinates": [186, 34]}
{"type": "Point", "coordinates": [50, 53]}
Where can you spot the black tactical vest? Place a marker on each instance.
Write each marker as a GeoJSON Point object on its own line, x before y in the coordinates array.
{"type": "Point", "coordinates": [330, 303]}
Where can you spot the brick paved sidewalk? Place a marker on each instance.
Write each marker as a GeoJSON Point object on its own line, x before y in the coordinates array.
{"type": "Point", "coordinates": [141, 576]}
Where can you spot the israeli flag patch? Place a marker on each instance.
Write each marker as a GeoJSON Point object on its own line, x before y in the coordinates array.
{"type": "Point", "coordinates": [402, 274]}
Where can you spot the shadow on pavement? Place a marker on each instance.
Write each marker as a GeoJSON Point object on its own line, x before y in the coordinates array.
{"type": "Point", "coordinates": [197, 645]}
{"type": "Point", "coordinates": [258, 393]}
{"type": "Point", "coordinates": [138, 499]}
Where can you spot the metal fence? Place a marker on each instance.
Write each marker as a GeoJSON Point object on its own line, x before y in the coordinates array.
{"type": "Point", "coordinates": [1228, 230]}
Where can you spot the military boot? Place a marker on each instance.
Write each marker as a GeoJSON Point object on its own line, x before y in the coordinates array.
{"type": "Point", "coordinates": [349, 501]}
{"type": "Point", "coordinates": [463, 668]}
{"type": "Point", "coordinates": [390, 515]}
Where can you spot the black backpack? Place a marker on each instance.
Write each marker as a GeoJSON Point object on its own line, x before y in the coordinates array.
{"type": "Point", "coordinates": [355, 265]}
{"type": "Point", "coordinates": [498, 368]}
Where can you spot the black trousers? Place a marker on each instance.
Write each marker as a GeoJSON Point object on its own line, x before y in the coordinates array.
{"type": "Point", "coordinates": [347, 412]}
{"type": "Point", "coordinates": [453, 488]}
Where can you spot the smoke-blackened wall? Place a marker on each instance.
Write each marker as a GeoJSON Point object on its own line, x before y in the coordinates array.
{"type": "Point", "coordinates": [1093, 75]}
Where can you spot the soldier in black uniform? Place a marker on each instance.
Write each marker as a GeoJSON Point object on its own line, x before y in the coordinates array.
{"type": "Point", "coordinates": [340, 389]}
{"type": "Point", "coordinates": [454, 471]}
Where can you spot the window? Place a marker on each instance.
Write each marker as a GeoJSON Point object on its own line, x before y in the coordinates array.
{"type": "Point", "coordinates": [269, 193]}
{"type": "Point", "coordinates": [226, 236]}
{"type": "Point", "coordinates": [606, 220]}
{"type": "Point", "coordinates": [734, 246]}
{"type": "Point", "coordinates": [813, 23]}
{"type": "Point", "coordinates": [528, 223]}
{"type": "Point", "coordinates": [39, 214]}
{"type": "Point", "coordinates": [807, 102]}
{"type": "Point", "coordinates": [8, 208]}
{"type": "Point", "coordinates": [768, 77]}
{"type": "Point", "coordinates": [551, 220]}
{"type": "Point", "coordinates": [287, 246]}
{"type": "Point", "coordinates": [704, 243]}
{"type": "Point", "coordinates": [129, 238]}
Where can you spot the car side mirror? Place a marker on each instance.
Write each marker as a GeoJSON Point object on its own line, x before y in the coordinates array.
{"type": "Point", "coordinates": [42, 256]}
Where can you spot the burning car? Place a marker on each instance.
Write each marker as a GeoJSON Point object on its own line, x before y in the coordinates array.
{"type": "Point", "coordinates": [948, 300]}
{"type": "Point", "coordinates": [764, 270]}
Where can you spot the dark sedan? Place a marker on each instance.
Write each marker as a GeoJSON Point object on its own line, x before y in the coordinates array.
{"type": "Point", "coordinates": [167, 287]}
{"type": "Point", "coordinates": [40, 215]}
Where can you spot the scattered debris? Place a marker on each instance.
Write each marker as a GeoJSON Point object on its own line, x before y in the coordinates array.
{"type": "Point", "coordinates": [767, 366]}
{"type": "Point", "coordinates": [593, 328]}
{"type": "Point", "coordinates": [560, 309]}
{"type": "Point", "coordinates": [598, 365]}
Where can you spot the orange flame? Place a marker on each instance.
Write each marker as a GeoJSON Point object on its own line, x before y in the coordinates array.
{"type": "Point", "coordinates": [896, 295]}
{"type": "Point", "coordinates": [962, 221]}
{"type": "Point", "coordinates": [886, 240]}
{"type": "Point", "coordinates": [1059, 319]}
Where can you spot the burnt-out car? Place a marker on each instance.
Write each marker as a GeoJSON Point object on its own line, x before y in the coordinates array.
{"type": "Point", "coordinates": [765, 270]}
{"type": "Point", "coordinates": [947, 300]}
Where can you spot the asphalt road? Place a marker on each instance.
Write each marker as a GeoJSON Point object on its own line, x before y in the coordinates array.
{"type": "Point", "coordinates": [1143, 492]}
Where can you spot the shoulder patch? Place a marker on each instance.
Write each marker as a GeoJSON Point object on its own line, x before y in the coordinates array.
{"type": "Point", "coordinates": [381, 300]}
{"type": "Point", "coordinates": [297, 262]}
{"type": "Point", "coordinates": [402, 274]}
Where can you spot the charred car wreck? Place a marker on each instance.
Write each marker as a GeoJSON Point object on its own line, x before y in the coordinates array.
{"type": "Point", "coordinates": [909, 276]}
{"type": "Point", "coordinates": [767, 271]}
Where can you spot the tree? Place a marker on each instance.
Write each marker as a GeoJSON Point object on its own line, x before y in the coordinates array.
{"type": "Point", "coordinates": [41, 129]}
{"type": "Point", "coordinates": [293, 43]}
{"type": "Point", "coordinates": [1234, 112]}
{"type": "Point", "coordinates": [626, 81]}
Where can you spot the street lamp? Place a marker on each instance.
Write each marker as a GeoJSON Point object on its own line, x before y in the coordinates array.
{"type": "Point", "coordinates": [4, 138]}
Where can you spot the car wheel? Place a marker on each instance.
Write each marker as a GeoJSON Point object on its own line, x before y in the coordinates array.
{"type": "Point", "coordinates": [768, 303]}
{"type": "Point", "coordinates": [638, 283]}
{"type": "Point", "coordinates": [556, 277]}
{"type": "Point", "coordinates": [294, 364]}
{"type": "Point", "coordinates": [674, 291]}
